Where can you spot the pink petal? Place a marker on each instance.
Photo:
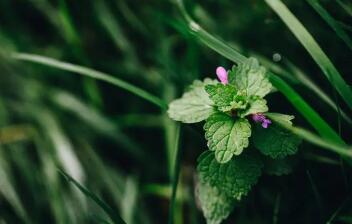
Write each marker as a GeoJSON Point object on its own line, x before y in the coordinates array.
{"type": "Point", "coordinates": [222, 75]}
{"type": "Point", "coordinates": [265, 125]}
{"type": "Point", "coordinates": [258, 117]}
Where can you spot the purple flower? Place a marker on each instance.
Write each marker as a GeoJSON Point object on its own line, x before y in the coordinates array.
{"type": "Point", "coordinates": [222, 75]}
{"type": "Point", "coordinates": [266, 123]}
{"type": "Point", "coordinates": [260, 118]}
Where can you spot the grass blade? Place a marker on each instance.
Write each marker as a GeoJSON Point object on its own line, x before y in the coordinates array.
{"type": "Point", "coordinates": [346, 6]}
{"type": "Point", "coordinates": [338, 210]}
{"type": "Point", "coordinates": [113, 215]}
{"type": "Point", "coordinates": [129, 200]}
{"type": "Point", "coordinates": [96, 120]}
{"type": "Point", "coordinates": [331, 21]}
{"type": "Point", "coordinates": [276, 208]}
{"type": "Point", "coordinates": [208, 39]}
{"type": "Point", "coordinates": [114, 29]}
{"type": "Point", "coordinates": [306, 39]}
{"type": "Point", "coordinates": [90, 73]}
{"type": "Point", "coordinates": [306, 110]}
{"type": "Point", "coordinates": [305, 80]}
{"type": "Point", "coordinates": [340, 149]}
{"type": "Point", "coordinates": [7, 189]}
{"type": "Point", "coordinates": [176, 174]}
{"type": "Point", "coordinates": [62, 145]}
{"type": "Point", "coordinates": [296, 76]}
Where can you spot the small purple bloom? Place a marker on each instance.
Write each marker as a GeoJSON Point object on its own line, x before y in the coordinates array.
{"type": "Point", "coordinates": [266, 123]}
{"type": "Point", "coordinates": [222, 75]}
{"type": "Point", "coordinates": [260, 118]}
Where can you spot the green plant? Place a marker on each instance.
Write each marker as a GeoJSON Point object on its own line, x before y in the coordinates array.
{"type": "Point", "coordinates": [235, 112]}
{"type": "Point", "coordinates": [85, 86]}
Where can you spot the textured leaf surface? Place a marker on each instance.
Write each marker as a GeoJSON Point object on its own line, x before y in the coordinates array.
{"type": "Point", "coordinates": [222, 95]}
{"type": "Point", "coordinates": [284, 119]}
{"type": "Point", "coordinates": [275, 141]}
{"type": "Point", "coordinates": [235, 177]}
{"type": "Point", "coordinates": [251, 78]}
{"type": "Point", "coordinates": [226, 136]}
{"type": "Point", "coordinates": [256, 105]}
{"type": "Point", "coordinates": [194, 106]}
{"type": "Point", "coordinates": [216, 204]}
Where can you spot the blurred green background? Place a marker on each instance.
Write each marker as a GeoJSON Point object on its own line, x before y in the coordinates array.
{"type": "Point", "coordinates": [120, 146]}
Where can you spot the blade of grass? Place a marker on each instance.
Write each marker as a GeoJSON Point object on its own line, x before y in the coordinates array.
{"type": "Point", "coordinates": [96, 120]}
{"type": "Point", "coordinates": [207, 39]}
{"type": "Point", "coordinates": [90, 73]}
{"type": "Point", "coordinates": [296, 100]}
{"type": "Point", "coordinates": [305, 80]}
{"type": "Point", "coordinates": [132, 18]}
{"type": "Point", "coordinates": [176, 174]}
{"type": "Point", "coordinates": [62, 21]}
{"type": "Point", "coordinates": [346, 6]}
{"type": "Point", "coordinates": [296, 76]}
{"type": "Point", "coordinates": [276, 208]}
{"type": "Point", "coordinates": [71, 36]}
{"type": "Point", "coordinates": [114, 29]}
{"type": "Point", "coordinates": [51, 184]}
{"type": "Point", "coordinates": [277, 69]}
{"type": "Point", "coordinates": [129, 200]}
{"type": "Point", "coordinates": [306, 110]}
{"type": "Point", "coordinates": [340, 149]}
{"type": "Point", "coordinates": [8, 191]}
{"type": "Point", "coordinates": [331, 21]}
{"type": "Point", "coordinates": [48, 10]}
{"type": "Point", "coordinates": [112, 214]}
{"type": "Point", "coordinates": [60, 142]}
{"type": "Point", "coordinates": [345, 26]}
{"type": "Point", "coordinates": [170, 128]}
{"type": "Point", "coordinates": [338, 210]}
{"type": "Point", "coordinates": [321, 159]}
{"type": "Point", "coordinates": [306, 39]}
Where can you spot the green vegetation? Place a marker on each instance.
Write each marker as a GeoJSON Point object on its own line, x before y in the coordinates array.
{"type": "Point", "coordinates": [87, 90]}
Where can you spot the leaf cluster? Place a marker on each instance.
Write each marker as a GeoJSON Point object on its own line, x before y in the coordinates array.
{"type": "Point", "coordinates": [229, 169]}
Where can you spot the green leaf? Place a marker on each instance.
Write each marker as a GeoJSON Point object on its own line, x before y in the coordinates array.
{"type": "Point", "coordinates": [216, 204]}
{"type": "Point", "coordinates": [281, 118]}
{"type": "Point", "coordinates": [235, 177]}
{"type": "Point", "coordinates": [223, 96]}
{"type": "Point", "coordinates": [251, 78]}
{"type": "Point", "coordinates": [194, 106]}
{"type": "Point", "coordinates": [256, 105]}
{"type": "Point", "coordinates": [226, 136]}
{"type": "Point", "coordinates": [276, 141]}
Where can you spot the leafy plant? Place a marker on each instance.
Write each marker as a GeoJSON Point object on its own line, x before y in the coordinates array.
{"type": "Point", "coordinates": [235, 112]}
